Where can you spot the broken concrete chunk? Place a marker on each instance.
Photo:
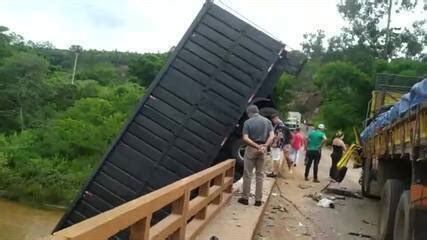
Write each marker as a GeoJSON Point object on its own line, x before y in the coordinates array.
{"type": "Point", "coordinates": [360, 235]}
{"type": "Point", "coordinates": [343, 192]}
{"type": "Point", "coordinates": [315, 196]}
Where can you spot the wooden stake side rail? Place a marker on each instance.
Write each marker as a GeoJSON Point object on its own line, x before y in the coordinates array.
{"type": "Point", "coordinates": [187, 217]}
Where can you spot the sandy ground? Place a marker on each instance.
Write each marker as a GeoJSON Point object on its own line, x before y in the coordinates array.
{"type": "Point", "coordinates": [297, 217]}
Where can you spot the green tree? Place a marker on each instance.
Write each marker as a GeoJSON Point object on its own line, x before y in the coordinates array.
{"type": "Point", "coordinates": [346, 92]}
{"type": "Point", "coordinates": [313, 44]}
{"type": "Point", "coordinates": [405, 67]}
{"type": "Point", "coordinates": [23, 88]}
{"type": "Point", "coordinates": [104, 73]}
{"type": "Point", "coordinates": [4, 42]}
{"type": "Point", "coordinates": [360, 56]}
{"type": "Point", "coordinates": [366, 28]}
{"type": "Point", "coordinates": [146, 67]}
{"type": "Point", "coordinates": [283, 92]}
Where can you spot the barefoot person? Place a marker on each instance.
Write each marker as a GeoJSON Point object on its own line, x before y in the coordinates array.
{"type": "Point", "coordinates": [338, 147]}
{"type": "Point", "coordinates": [315, 139]}
{"type": "Point", "coordinates": [258, 135]}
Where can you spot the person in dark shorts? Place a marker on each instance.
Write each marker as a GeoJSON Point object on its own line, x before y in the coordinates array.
{"type": "Point", "coordinates": [315, 140]}
{"type": "Point", "coordinates": [279, 152]}
{"type": "Point", "coordinates": [258, 135]}
{"type": "Point", "coordinates": [338, 148]}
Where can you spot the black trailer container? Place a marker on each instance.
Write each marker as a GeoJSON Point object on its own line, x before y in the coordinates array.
{"type": "Point", "coordinates": [187, 113]}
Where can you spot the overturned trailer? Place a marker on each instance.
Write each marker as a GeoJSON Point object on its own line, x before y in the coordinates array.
{"type": "Point", "coordinates": [187, 114]}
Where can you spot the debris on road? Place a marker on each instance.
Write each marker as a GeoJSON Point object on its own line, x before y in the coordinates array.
{"type": "Point", "coordinates": [306, 220]}
{"type": "Point", "coordinates": [360, 235]}
{"type": "Point", "coordinates": [327, 185]}
{"type": "Point", "coordinates": [280, 208]}
{"type": "Point", "coordinates": [238, 186]}
{"type": "Point", "coordinates": [326, 203]}
{"type": "Point", "coordinates": [366, 222]}
{"type": "Point", "coordinates": [292, 203]}
{"type": "Point", "coordinates": [339, 197]}
{"type": "Point", "coordinates": [343, 192]}
{"type": "Point", "coordinates": [315, 196]}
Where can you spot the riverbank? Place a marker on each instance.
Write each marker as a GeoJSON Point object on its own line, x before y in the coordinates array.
{"type": "Point", "coordinates": [22, 222]}
{"type": "Point", "coordinates": [40, 182]}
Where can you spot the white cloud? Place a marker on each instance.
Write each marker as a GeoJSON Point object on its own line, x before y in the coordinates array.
{"type": "Point", "coordinates": [155, 25]}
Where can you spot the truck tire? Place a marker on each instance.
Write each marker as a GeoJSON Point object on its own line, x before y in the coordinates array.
{"type": "Point", "coordinates": [238, 149]}
{"type": "Point", "coordinates": [238, 153]}
{"type": "Point", "coordinates": [402, 223]}
{"type": "Point", "coordinates": [390, 197]}
{"type": "Point", "coordinates": [366, 180]}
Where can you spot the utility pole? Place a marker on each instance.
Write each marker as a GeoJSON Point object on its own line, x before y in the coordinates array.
{"type": "Point", "coordinates": [75, 66]}
{"type": "Point", "coordinates": [76, 49]}
{"type": "Point", "coordinates": [387, 38]}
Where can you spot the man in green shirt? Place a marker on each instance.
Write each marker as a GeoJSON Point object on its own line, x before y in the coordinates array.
{"type": "Point", "coordinates": [315, 140]}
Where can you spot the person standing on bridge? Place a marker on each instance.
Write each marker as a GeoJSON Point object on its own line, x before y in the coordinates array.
{"type": "Point", "coordinates": [280, 145]}
{"type": "Point", "coordinates": [257, 134]}
{"type": "Point", "coordinates": [315, 139]}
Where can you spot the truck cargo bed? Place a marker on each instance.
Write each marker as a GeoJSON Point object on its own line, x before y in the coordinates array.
{"type": "Point", "coordinates": [186, 114]}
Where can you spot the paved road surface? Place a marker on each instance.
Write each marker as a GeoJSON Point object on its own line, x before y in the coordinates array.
{"type": "Point", "coordinates": [309, 221]}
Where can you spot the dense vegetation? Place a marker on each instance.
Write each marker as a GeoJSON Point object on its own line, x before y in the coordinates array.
{"type": "Point", "coordinates": [343, 68]}
{"type": "Point", "coordinates": [53, 131]}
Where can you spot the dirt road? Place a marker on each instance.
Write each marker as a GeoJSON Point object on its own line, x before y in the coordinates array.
{"type": "Point", "coordinates": [297, 217]}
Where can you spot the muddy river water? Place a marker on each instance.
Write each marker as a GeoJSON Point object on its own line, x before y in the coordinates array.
{"type": "Point", "coordinates": [21, 222]}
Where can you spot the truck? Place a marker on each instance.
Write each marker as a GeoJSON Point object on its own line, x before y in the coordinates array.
{"type": "Point", "coordinates": [293, 120]}
{"type": "Point", "coordinates": [394, 156]}
{"type": "Point", "coordinates": [189, 116]}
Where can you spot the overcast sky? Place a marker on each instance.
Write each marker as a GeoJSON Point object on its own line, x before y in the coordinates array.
{"type": "Point", "coordinates": [157, 25]}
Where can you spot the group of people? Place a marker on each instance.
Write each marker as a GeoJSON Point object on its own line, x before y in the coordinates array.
{"type": "Point", "coordinates": [286, 146]}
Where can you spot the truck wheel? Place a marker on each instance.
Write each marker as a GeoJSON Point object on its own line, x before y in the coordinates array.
{"type": "Point", "coordinates": [366, 180]}
{"type": "Point", "coordinates": [238, 152]}
{"type": "Point", "coordinates": [238, 149]}
{"type": "Point", "coordinates": [402, 223]}
{"type": "Point", "coordinates": [390, 197]}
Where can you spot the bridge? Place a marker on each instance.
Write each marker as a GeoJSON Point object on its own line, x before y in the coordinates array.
{"type": "Point", "coordinates": [209, 189]}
